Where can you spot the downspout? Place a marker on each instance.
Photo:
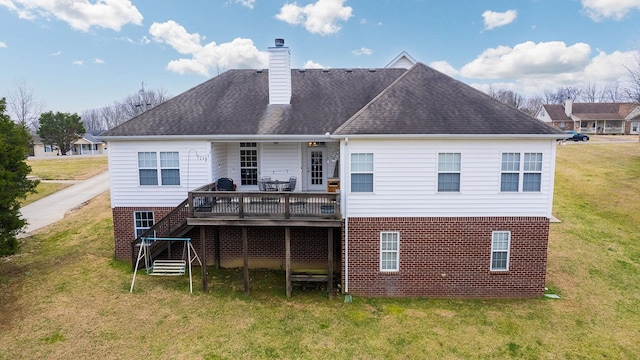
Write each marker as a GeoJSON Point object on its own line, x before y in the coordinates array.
{"type": "Point", "coordinates": [345, 198]}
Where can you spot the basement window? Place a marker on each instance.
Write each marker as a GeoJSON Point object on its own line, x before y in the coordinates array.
{"type": "Point", "coordinates": [500, 248]}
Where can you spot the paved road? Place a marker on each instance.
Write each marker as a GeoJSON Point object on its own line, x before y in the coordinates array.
{"type": "Point", "coordinates": [53, 207]}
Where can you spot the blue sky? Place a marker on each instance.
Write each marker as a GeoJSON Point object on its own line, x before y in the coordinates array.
{"type": "Point", "coordinates": [77, 55]}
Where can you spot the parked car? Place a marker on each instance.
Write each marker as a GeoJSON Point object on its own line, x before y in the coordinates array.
{"type": "Point", "coordinates": [576, 136]}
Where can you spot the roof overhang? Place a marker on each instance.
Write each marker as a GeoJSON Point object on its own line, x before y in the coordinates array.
{"type": "Point", "coordinates": [221, 138]}
{"type": "Point", "coordinates": [454, 136]}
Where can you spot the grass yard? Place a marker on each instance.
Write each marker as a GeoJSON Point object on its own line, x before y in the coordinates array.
{"type": "Point", "coordinates": [63, 297]}
{"type": "Point", "coordinates": [50, 170]}
{"type": "Point", "coordinates": [68, 167]}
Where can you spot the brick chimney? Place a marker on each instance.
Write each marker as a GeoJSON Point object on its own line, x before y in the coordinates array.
{"type": "Point", "coordinates": [279, 74]}
{"type": "Point", "coordinates": [568, 107]}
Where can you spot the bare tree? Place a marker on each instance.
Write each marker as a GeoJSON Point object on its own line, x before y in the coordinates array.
{"type": "Point", "coordinates": [560, 95]}
{"type": "Point", "coordinates": [532, 105]}
{"type": "Point", "coordinates": [23, 105]}
{"type": "Point", "coordinates": [633, 79]}
{"type": "Point", "coordinates": [121, 111]}
{"type": "Point", "coordinates": [507, 96]}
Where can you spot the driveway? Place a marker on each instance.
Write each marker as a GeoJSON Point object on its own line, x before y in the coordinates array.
{"type": "Point", "coordinates": [52, 208]}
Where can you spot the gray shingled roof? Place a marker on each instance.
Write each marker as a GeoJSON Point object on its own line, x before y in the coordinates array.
{"type": "Point", "coordinates": [591, 111]}
{"type": "Point", "coordinates": [382, 101]}
{"type": "Point", "coordinates": [425, 101]}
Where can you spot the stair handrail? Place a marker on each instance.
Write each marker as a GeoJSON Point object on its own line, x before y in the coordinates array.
{"type": "Point", "coordinates": [177, 216]}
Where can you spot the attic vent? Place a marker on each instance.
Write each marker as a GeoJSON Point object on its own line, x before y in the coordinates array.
{"type": "Point", "coordinates": [259, 71]}
{"type": "Point", "coordinates": [325, 70]}
{"type": "Point", "coordinates": [372, 70]}
{"type": "Point", "coordinates": [348, 71]}
{"type": "Point", "coordinates": [302, 70]}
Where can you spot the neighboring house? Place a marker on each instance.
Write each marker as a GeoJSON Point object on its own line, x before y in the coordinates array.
{"type": "Point", "coordinates": [443, 190]}
{"type": "Point", "coordinates": [593, 118]}
{"type": "Point", "coordinates": [88, 144]}
{"type": "Point", "coordinates": [38, 148]}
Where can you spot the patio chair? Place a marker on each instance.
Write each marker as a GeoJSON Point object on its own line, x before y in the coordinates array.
{"type": "Point", "coordinates": [291, 185]}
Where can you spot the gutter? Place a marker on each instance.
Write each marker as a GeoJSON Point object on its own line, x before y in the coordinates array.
{"type": "Point", "coordinates": [451, 136]}
{"type": "Point", "coordinates": [220, 138]}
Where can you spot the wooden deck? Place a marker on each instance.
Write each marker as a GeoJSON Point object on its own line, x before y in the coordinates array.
{"type": "Point", "coordinates": [269, 205]}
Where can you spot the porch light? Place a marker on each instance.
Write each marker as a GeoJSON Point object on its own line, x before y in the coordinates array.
{"type": "Point", "coordinates": [312, 143]}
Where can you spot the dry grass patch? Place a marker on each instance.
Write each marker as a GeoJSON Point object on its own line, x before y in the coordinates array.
{"type": "Point", "coordinates": [64, 297]}
{"type": "Point", "coordinates": [68, 167]}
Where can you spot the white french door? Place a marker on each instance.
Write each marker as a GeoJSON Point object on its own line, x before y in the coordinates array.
{"type": "Point", "coordinates": [316, 169]}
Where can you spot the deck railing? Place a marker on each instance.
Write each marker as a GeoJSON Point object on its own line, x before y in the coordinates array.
{"type": "Point", "coordinates": [269, 204]}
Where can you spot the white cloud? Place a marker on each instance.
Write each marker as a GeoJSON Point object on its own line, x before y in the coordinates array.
{"type": "Point", "coordinates": [57, 53]}
{"type": "Point", "coordinates": [78, 62]}
{"type": "Point", "coordinates": [239, 53]}
{"type": "Point", "coordinates": [445, 68]}
{"type": "Point", "coordinates": [321, 17]}
{"type": "Point", "coordinates": [2, 45]}
{"type": "Point", "coordinates": [493, 19]}
{"type": "Point", "coordinates": [98, 61]}
{"type": "Point", "coordinates": [246, 3]}
{"type": "Point", "coordinates": [528, 58]}
{"type": "Point", "coordinates": [598, 10]}
{"type": "Point", "coordinates": [530, 69]}
{"type": "Point", "coordinates": [80, 14]}
{"type": "Point", "coordinates": [362, 51]}
{"type": "Point", "coordinates": [312, 65]}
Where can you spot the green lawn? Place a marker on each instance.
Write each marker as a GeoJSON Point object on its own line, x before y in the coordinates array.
{"type": "Point", "coordinates": [68, 167]}
{"type": "Point", "coordinates": [63, 297]}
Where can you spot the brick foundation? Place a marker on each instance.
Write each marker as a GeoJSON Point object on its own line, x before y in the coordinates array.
{"type": "Point", "coordinates": [448, 257]}
{"type": "Point", "coordinates": [266, 245]}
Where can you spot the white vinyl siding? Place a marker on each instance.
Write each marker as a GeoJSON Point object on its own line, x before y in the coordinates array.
{"type": "Point", "coordinates": [389, 251]}
{"type": "Point", "coordinates": [195, 171]}
{"type": "Point", "coordinates": [500, 248]}
{"type": "Point", "coordinates": [406, 178]}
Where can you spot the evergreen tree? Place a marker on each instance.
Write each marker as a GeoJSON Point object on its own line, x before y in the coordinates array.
{"type": "Point", "coordinates": [14, 185]}
{"type": "Point", "coordinates": [61, 129]}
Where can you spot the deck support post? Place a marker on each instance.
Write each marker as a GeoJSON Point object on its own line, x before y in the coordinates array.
{"type": "Point", "coordinates": [203, 251]}
{"type": "Point", "coordinates": [287, 247]}
{"type": "Point", "coordinates": [330, 261]}
{"type": "Point", "coordinates": [216, 245]}
{"type": "Point", "coordinates": [245, 255]}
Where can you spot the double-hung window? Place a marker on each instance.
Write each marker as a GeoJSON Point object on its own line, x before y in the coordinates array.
{"type": "Point", "coordinates": [389, 251]}
{"type": "Point", "coordinates": [170, 168]}
{"type": "Point", "coordinates": [143, 220]}
{"type": "Point", "coordinates": [362, 172]}
{"type": "Point", "coordinates": [249, 163]}
{"type": "Point", "coordinates": [517, 175]}
{"type": "Point", "coordinates": [449, 172]}
{"type": "Point", "coordinates": [532, 176]}
{"type": "Point", "coordinates": [500, 247]}
{"type": "Point", "coordinates": [148, 168]}
{"type": "Point", "coordinates": [169, 173]}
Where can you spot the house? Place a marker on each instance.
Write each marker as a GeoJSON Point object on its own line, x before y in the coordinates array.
{"type": "Point", "coordinates": [88, 144]}
{"type": "Point", "coordinates": [437, 189]}
{"type": "Point", "coordinates": [593, 118]}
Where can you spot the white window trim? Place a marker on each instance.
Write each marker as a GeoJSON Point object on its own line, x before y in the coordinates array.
{"type": "Point", "coordinates": [520, 172]}
{"type": "Point", "coordinates": [364, 172]}
{"type": "Point", "coordinates": [158, 169]}
{"type": "Point", "coordinates": [438, 172]}
{"type": "Point", "coordinates": [508, 251]}
{"type": "Point", "coordinates": [135, 225]}
{"type": "Point", "coordinates": [397, 252]}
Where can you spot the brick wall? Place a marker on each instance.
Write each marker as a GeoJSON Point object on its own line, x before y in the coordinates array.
{"type": "Point", "coordinates": [448, 257]}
